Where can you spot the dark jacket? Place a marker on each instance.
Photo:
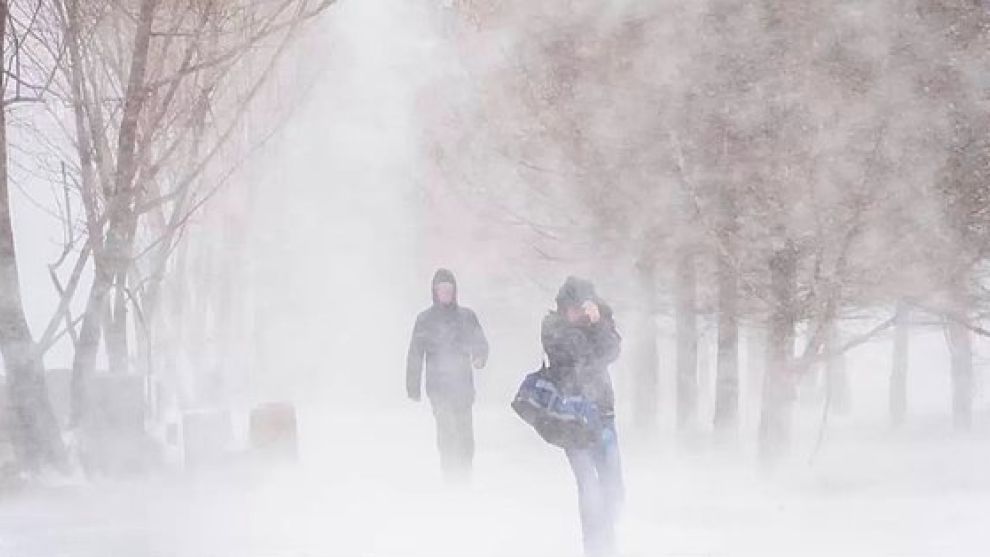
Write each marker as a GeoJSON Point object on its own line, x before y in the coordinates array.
{"type": "Point", "coordinates": [448, 337]}
{"type": "Point", "coordinates": [579, 355]}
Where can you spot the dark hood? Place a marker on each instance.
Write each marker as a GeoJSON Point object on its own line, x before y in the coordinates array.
{"type": "Point", "coordinates": [574, 292]}
{"type": "Point", "coordinates": [442, 275]}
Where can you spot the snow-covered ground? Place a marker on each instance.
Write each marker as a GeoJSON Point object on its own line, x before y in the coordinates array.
{"type": "Point", "coordinates": [368, 485]}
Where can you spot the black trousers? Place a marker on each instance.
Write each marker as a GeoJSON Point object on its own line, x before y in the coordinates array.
{"type": "Point", "coordinates": [455, 438]}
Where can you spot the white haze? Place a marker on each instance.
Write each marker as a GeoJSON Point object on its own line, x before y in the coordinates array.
{"type": "Point", "coordinates": [342, 260]}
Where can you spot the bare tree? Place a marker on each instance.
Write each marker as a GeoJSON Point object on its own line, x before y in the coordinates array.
{"type": "Point", "coordinates": [899, 366]}
{"type": "Point", "coordinates": [35, 432]}
{"type": "Point", "coordinates": [771, 150]}
{"type": "Point", "coordinates": [158, 95]}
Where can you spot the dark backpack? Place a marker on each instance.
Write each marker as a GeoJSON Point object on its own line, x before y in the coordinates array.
{"type": "Point", "coordinates": [571, 422]}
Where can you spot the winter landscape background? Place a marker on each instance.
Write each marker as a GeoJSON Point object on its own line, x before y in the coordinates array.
{"type": "Point", "coordinates": [786, 202]}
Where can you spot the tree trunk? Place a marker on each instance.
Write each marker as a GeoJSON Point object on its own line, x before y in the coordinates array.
{"type": "Point", "coordinates": [778, 384]}
{"type": "Point", "coordinates": [116, 328]}
{"type": "Point", "coordinates": [84, 358]}
{"type": "Point", "coordinates": [646, 372]}
{"type": "Point", "coordinates": [687, 339]}
{"type": "Point", "coordinates": [961, 353]}
{"type": "Point", "coordinates": [727, 365]}
{"type": "Point", "coordinates": [201, 285]}
{"type": "Point", "coordinates": [162, 340]}
{"type": "Point", "coordinates": [899, 368]}
{"type": "Point", "coordinates": [836, 378]}
{"type": "Point", "coordinates": [35, 432]}
{"type": "Point", "coordinates": [87, 342]}
{"type": "Point", "coordinates": [756, 352]}
{"type": "Point", "coordinates": [114, 257]}
{"type": "Point", "coordinates": [172, 312]}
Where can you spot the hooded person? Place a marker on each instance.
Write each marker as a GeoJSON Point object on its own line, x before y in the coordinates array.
{"type": "Point", "coordinates": [449, 339]}
{"type": "Point", "coordinates": [580, 340]}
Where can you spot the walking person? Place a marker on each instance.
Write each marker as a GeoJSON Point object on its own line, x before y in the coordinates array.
{"type": "Point", "coordinates": [449, 338]}
{"type": "Point", "coordinates": [580, 340]}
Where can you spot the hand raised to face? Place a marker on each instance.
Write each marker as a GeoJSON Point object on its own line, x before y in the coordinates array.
{"type": "Point", "coordinates": [591, 310]}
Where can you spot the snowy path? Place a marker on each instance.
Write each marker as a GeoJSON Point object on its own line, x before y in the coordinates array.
{"type": "Point", "coordinates": [371, 489]}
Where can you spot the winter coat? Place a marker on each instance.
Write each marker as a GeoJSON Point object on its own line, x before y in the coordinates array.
{"type": "Point", "coordinates": [579, 355]}
{"type": "Point", "coordinates": [449, 338]}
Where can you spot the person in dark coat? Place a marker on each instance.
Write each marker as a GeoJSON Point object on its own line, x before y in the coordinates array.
{"type": "Point", "coordinates": [580, 340]}
{"type": "Point", "coordinates": [450, 339]}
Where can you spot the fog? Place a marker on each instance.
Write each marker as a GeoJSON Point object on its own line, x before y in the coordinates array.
{"type": "Point", "coordinates": [396, 137]}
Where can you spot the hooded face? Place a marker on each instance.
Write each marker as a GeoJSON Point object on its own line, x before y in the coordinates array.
{"type": "Point", "coordinates": [574, 292]}
{"type": "Point", "coordinates": [443, 293]}
{"type": "Point", "coordinates": [575, 315]}
{"type": "Point", "coordinates": [570, 299]}
{"type": "Point", "coordinates": [444, 288]}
